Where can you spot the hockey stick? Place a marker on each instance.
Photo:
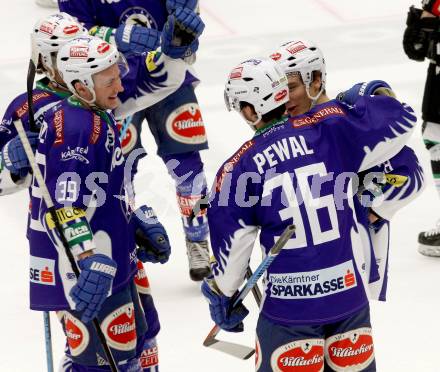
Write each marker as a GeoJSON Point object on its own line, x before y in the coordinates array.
{"type": "Point", "coordinates": [48, 340]}
{"type": "Point", "coordinates": [237, 350]}
{"type": "Point", "coordinates": [48, 200]}
{"type": "Point", "coordinates": [240, 351]}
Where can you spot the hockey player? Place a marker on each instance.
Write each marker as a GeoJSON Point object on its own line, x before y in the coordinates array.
{"type": "Point", "coordinates": [387, 187]}
{"type": "Point", "coordinates": [175, 122]}
{"type": "Point", "coordinates": [84, 172]}
{"type": "Point", "coordinates": [315, 310]}
{"type": "Point", "coordinates": [421, 40]}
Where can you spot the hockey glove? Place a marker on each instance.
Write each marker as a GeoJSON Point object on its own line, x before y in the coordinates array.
{"type": "Point", "coordinates": [172, 5]}
{"type": "Point", "coordinates": [151, 237]}
{"type": "Point", "coordinates": [135, 40]}
{"type": "Point", "coordinates": [13, 156]}
{"type": "Point", "coordinates": [374, 87]}
{"type": "Point", "coordinates": [417, 35]}
{"type": "Point", "coordinates": [181, 32]}
{"type": "Point", "coordinates": [94, 284]}
{"type": "Point", "coordinates": [220, 306]}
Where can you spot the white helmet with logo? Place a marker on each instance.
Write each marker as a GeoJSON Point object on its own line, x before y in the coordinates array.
{"type": "Point", "coordinates": [49, 35]}
{"type": "Point", "coordinates": [259, 82]}
{"type": "Point", "coordinates": [301, 57]}
{"type": "Point", "coordinates": [85, 56]}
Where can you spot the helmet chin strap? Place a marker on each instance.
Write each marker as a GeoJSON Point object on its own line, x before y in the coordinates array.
{"type": "Point", "coordinates": [251, 123]}
{"type": "Point", "coordinates": [314, 98]}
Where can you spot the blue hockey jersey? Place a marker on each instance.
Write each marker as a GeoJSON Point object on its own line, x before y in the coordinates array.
{"type": "Point", "coordinates": [300, 171]}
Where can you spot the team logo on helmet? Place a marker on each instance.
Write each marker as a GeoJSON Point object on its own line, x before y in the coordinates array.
{"type": "Point", "coordinates": [186, 125]}
{"type": "Point", "coordinates": [79, 52]}
{"type": "Point", "coordinates": [71, 30]}
{"type": "Point", "coordinates": [302, 355]}
{"type": "Point", "coordinates": [76, 333]}
{"type": "Point", "coordinates": [351, 350]}
{"type": "Point", "coordinates": [103, 48]}
{"type": "Point", "coordinates": [280, 95]}
{"type": "Point", "coordinates": [120, 328]}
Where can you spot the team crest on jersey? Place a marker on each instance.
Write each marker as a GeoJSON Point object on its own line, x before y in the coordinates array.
{"type": "Point", "coordinates": [351, 350]}
{"type": "Point", "coordinates": [186, 125]}
{"type": "Point", "coordinates": [141, 279]}
{"type": "Point", "coordinates": [138, 16]}
{"type": "Point", "coordinates": [302, 355]}
{"type": "Point", "coordinates": [76, 332]}
{"type": "Point", "coordinates": [120, 328]}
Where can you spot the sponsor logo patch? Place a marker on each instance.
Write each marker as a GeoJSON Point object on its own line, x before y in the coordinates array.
{"type": "Point", "coordinates": [47, 28]}
{"type": "Point", "coordinates": [76, 333]}
{"type": "Point", "coordinates": [313, 284]}
{"type": "Point", "coordinates": [351, 350]}
{"type": "Point", "coordinates": [79, 52]}
{"type": "Point", "coordinates": [130, 137]}
{"type": "Point", "coordinates": [187, 203]}
{"type": "Point", "coordinates": [296, 47]}
{"type": "Point", "coordinates": [302, 355]}
{"type": "Point", "coordinates": [236, 73]}
{"type": "Point", "coordinates": [120, 328]}
{"type": "Point", "coordinates": [275, 56]}
{"type": "Point", "coordinates": [65, 215]}
{"type": "Point", "coordinates": [229, 165]}
{"type": "Point", "coordinates": [71, 30]}
{"type": "Point", "coordinates": [149, 357]}
{"type": "Point", "coordinates": [58, 124]}
{"type": "Point", "coordinates": [103, 48]}
{"type": "Point", "coordinates": [77, 153]}
{"type": "Point", "coordinates": [96, 131]}
{"type": "Point", "coordinates": [186, 125]}
{"type": "Point", "coordinates": [77, 233]}
{"type": "Point", "coordinates": [23, 109]}
{"type": "Point", "coordinates": [317, 116]}
{"type": "Point", "coordinates": [141, 279]}
{"type": "Point", "coordinates": [42, 271]}
{"type": "Point", "coordinates": [280, 95]}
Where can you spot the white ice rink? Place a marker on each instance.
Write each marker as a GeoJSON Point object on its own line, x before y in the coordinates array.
{"type": "Point", "coordinates": [361, 41]}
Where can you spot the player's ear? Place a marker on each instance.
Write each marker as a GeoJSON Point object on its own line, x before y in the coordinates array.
{"type": "Point", "coordinates": [315, 86]}
{"type": "Point", "coordinates": [82, 90]}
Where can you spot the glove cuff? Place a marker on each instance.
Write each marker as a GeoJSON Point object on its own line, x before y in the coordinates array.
{"type": "Point", "coordinates": [432, 6]}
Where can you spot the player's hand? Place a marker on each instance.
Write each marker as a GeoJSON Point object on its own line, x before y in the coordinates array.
{"type": "Point", "coordinates": [220, 306]}
{"type": "Point", "coordinates": [181, 32]}
{"type": "Point", "coordinates": [93, 286]}
{"type": "Point", "coordinates": [151, 237]}
{"type": "Point", "coordinates": [13, 156]}
{"type": "Point", "coordinates": [374, 87]}
{"type": "Point", "coordinates": [134, 40]}
{"type": "Point", "coordinates": [172, 5]}
{"type": "Point", "coordinates": [418, 32]}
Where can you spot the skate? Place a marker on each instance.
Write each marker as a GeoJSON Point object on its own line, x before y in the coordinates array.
{"type": "Point", "coordinates": [429, 242]}
{"type": "Point", "coordinates": [198, 259]}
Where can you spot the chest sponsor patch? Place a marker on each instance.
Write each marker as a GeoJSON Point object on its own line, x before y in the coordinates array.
{"type": "Point", "coordinates": [42, 271]}
{"type": "Point", "coordinates": [352, 350]}
{"type": "Point", "coordinates": [301, 355]}
{"type": "Point", "coordinates": [186, 125]}
{"type": "Point", "coordinates": [313, 284]}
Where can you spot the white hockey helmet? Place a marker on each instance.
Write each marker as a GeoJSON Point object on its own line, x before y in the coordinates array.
{"type": "Point", "coordinates": [302, 57]}
{"type": "Point", "coordinates": [49, 35]}
{"type": "Point", "coordinates": [81, 58]}
{"type": "Point", "coordinates": [259, 82]}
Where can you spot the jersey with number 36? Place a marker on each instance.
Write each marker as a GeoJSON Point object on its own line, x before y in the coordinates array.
{"type": "Point", "coordinates": [301, 171]}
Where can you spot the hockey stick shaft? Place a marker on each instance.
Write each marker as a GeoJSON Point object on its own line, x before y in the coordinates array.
{"type": "Point", "coordinates": [48, 340]}
{"type": "Point", "coordinates": [49, 203]}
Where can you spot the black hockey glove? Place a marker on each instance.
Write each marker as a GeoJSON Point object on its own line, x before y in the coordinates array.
{"type": "Point", "coordinates": [418, 33]}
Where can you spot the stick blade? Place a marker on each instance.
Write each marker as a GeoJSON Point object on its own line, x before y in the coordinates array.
{"type": "Point", "coordinates": [239, 351]}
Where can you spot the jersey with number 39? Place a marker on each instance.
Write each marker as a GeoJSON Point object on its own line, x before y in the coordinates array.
{"type": "Point", "coordinates": [81, 159]}
{"type": "Point", "coordinates": [300, 171]}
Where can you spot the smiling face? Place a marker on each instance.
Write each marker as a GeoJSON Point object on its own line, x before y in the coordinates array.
{"type": "Point", "coordinates": [299, 102]}
{"type": "Point", "coordinates": [107, 85]}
